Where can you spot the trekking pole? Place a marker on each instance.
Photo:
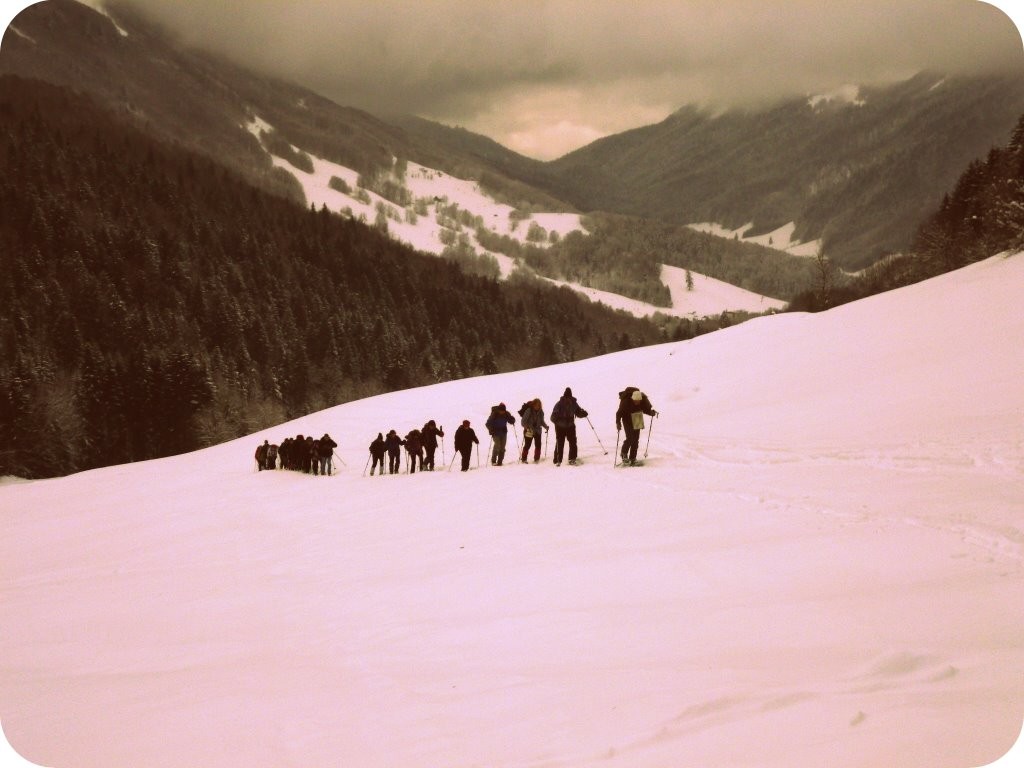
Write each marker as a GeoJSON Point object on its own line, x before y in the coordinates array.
{"type": "Point", "coordinates": [515, 433]}
{"type": "Point", "coordinates": [597, 436]}
{"type": "Point", "coordinates": [489, 442]}
{"type": "Point", "coordinates": [618, 432]}
{"type": "Point", "coordinates": [453, 462]}
{"type": "Point", "coordinates": [478, 455]}
{"type": "Point", "coordinates": [546, 431]}
{"type": "Point", "coordinates": [367, 464]}
{"type": "Point", "coordinates": [339, 459]}
{"type": "Point", "coordinates": [649, 437]}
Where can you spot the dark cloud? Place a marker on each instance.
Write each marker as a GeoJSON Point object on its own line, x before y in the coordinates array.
{"type": "Point", "coordinates": [528, 73]}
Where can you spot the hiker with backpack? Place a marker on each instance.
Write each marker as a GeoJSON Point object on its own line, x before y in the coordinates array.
{"type": "Point", "coordinates": [414, 449]}
{"type": "Point", "coordinates": [465, 436]}
{"type": "Point", "coordinates": [532, 419]}
{"type": "Point", "coordinates": [377, 451]}
{"type": "Point", "coordinates": [394, 444]}
{"type": "Point", "coordinates": [430, 433]}
{"type": "Point", "coordinates": [629, 418]}
{"type": "Point", "coordinates": [272, 452]}
{"type": "Point", "coordinates": [563, 416]}
{"type": "Point", "coordinates": [313, 465]}
{"type": "Point", "coordinates": [326, 454]}
{"type": "Point", "coordinates": [497, 428]}
{"type": "Point", "coordinates": [261, 455]}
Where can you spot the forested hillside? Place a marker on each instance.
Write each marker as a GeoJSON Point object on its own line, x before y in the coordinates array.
{"type": "Point", "coordinates": [860, 175]}
{"type": "Point", "coordinates": [152, 302]}
{"type": "Point", "coordinates": [981, 216]}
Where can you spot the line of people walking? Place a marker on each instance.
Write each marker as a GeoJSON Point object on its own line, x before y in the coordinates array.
{"type": "Point", "coordinates": [304, 454]}
{"type": "Point", "coordinates": [299, 454]}
{"type": "Point", "coordinates": [420, 446]}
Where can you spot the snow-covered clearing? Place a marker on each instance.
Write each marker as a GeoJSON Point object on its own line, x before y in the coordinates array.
{"type": "Point", "coordinates": [820, 564]}
{"type": "Point", "coordinates": [780, 239]}
{"type": "Point", "coordinates": [708, 297]}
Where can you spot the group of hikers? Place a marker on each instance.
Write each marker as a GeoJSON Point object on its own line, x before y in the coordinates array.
{"type": "Point", "coordinates": [309, 455]}
{"type": "Point", "coordinates": [300, 454]}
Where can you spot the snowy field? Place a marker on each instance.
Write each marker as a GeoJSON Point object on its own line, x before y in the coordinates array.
{"type": "Point", "coordinates": [820, 564]}
{"type": "Point", "coordinates": [780, 239]}
{"type": "Point", "coordinates": [708, 297]}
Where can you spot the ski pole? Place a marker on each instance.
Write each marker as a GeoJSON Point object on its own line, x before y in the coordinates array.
{"type": "Point", "coordinates": [649, 436]}
{"type": "Point", "coordinates": [489, 442]}
{"type": "Point", "coordinates": [478, 455]}
{"type": "Point", "coordinates": [618, 432]}
{"type": "Point", "coordinates": [515, 433]}
{"type": "Point", "coordinates": [546, 431]}
{"type": "Point", "coordinates": [597, 436]}
{"type": "Point", "coordinates": [339, 459]}
{"type": "Point", "coordinates": [452, 464]}
{"type": "Point", "coordinates": [365, 466]}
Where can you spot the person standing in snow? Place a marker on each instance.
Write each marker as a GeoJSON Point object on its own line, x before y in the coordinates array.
{"type": "Point", "coordinates": [414, 448]}
{"type": "Point", "coordinates": [377, 451]}
{"type": "Point", "coordinates": [300, 458]}
{"type": "Point", "coordinates": [326, 453]}
{"type": "Point", "coordinates": [261, 455]}
{"type": "Point", "coordinates": [314, 455]}
{"type": "Point", "coordinates": [497, 428]}
{"type": "Point", "coordinates": [465, 436]}
{"type": "Point", "coordinates": [272, 456]}
{"type": "Point", "coordinates": [532, 414]}
{"type": "Point", "coordinates": [633, 404]}
{"type": "Point", "coordinates": [563, 416]}
{"type": "Point", "coordinates": [430, 434]}
{"type": "Point", "coordinates": [394, 445]}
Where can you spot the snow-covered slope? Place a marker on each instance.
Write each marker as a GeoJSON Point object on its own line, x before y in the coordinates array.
{"type": "Point", "coordinates": [428, 225]}
{"type": "Point", "coordinates": [707, 297]}
{"type": "Point", "coordinates": [780, 239]}
{"type": "Point", "coordinates": [820, 564]}
{"type": "Point", "coordinates": [433, 189]}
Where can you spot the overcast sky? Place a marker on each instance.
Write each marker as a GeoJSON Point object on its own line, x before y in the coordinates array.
{"type": "Point", "coordinates": [546, 77]}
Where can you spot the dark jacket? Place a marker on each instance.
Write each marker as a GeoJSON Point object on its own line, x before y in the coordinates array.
{"type": "Point", "coordinates": [566, 411]}
{"type": "Point", "coordinates": [414, 442]}
{"type": "Point", "coordinates": [430, 434]}
{"type": "Point", "coordinates": [377, 448]}
{"type": "Point", "coordinates": [393, 443]}
{"type": "Point", "coordinates": [628, 406]}
{"type": "Point", "coordinates": [464, 438]}
{"type": "Point", "coordinates": [327, 445]}
{"type": "Point", "coordinates": [499, 420]}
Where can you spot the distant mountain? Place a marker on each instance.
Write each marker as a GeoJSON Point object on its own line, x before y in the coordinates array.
{"type": "Point", "coordinates": [861, 169]}
{"type": "Point", "coordinates": [198, 101]}
{"type": "Point", "coordinates": [858, 170]}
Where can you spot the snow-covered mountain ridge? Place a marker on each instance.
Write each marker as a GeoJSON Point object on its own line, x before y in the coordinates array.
{"type": "Point", "coordinates": [821, 563]}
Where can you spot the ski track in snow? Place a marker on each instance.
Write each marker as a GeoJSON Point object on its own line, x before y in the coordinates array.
{"type": "Point", "coordinates": [820, 563]}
